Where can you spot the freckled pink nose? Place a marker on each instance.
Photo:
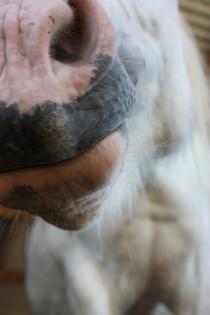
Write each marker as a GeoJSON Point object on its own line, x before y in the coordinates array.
{"type": "Point", "coordinates": [60, 41]}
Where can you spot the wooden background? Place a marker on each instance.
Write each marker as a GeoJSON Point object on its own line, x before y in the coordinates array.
{"type": "Point", "coordinates": [197, 13]}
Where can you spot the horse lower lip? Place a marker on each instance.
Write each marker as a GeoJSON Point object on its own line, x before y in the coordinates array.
{"type": "Point", "coordinates": [65, 185]}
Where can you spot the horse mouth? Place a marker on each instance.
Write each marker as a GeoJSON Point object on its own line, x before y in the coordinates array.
{"type": "Point", "coordinates": [68, 194]}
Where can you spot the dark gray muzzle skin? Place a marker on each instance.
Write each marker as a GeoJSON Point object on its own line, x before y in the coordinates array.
{"type": "Point", "coordinates": [53, 133]}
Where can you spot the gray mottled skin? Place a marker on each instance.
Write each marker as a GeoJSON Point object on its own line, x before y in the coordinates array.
{"type": "Point", "coordinates": [53, 133]}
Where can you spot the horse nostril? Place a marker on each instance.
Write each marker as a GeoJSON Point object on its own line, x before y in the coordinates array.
{"type": "Point", "coordinates": [79, 41]}
{"type": "Point", "coordinates": [63, 55]}
{"type": "Point", "coordinates": [68, 45]}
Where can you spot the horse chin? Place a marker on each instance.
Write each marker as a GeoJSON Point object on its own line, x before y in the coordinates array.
{"type": "Point", "coordinates": [72, 218]}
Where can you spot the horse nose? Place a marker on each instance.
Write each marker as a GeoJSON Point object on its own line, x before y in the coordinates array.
{"type": "Point", "coordinates": [63, 89]}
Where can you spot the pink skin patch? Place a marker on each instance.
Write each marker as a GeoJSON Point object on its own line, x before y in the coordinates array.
{"type": "Point", "coordinates": [28, 74]}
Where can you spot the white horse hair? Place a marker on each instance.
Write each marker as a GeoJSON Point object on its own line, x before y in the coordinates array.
{"type": "Point", "coordinates": [151, 244]}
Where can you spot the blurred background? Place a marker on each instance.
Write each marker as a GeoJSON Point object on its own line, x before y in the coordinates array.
{"type": "Point", "coordinates": [15, 227]}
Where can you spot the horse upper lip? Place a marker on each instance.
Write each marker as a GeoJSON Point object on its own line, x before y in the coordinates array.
{"type": "Point", "coordinates": [53, 133]}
